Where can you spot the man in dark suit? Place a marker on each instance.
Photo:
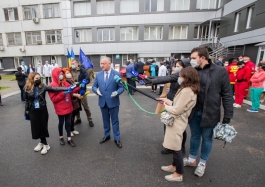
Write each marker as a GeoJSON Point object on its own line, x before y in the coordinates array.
{"type": "Point", "coordinates": [108, 91]}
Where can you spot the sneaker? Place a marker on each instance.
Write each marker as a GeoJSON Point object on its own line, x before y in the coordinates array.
{"type": "Point", "coordinates": [186, 162]}
{"type": "Point", "coordinates": [200, 170]}
{"type": "Point", "coordinates": [75, 132]}
{"type": "Point", "coordinates": [252, 110]}
{"type": "Point", "coordinates": [234, 104]}
{"type": "Point", "coordinates": [167, 169]}
{"type": "Point", "coordinates": [45, 149]}
{"type": "Point", "coordinates": [72, 134]}
{"type": "Point", "coordinates": [173, 179]}
{"type": "Point", "coordinates": [38, 147]}
{"type": "Point", "coordinates": [237, 106]}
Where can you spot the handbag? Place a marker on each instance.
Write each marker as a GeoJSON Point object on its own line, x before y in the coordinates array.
{"type": "Point", "coordinates": [167, 118]}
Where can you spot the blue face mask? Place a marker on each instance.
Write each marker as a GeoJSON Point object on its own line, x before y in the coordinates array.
{"type": "Point", "coordinates": [73, 66]}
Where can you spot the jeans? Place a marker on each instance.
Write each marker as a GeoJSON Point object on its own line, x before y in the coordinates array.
{"type": "Point", "coordinates": [21, 87]}
{"type": "Point", "coordinates": [178, 162]}
{"type": "Point", "coordinates": [64, 118]}
{"type": "Point", "coordinates": [198, 133]}
{"type": "Point", "coordinates": [255, 94]}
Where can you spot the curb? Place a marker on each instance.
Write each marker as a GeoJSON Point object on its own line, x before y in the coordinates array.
{"type": "Point", "coordinates": [11, 94]}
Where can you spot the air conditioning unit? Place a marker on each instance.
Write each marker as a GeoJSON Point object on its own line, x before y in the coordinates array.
{"type": "Point", "coordinates": [2, 48]}
{"type": "Point", "coordinates": [36, 20]}
{"type": "Point", "coordinates": [39, 42]}
{"type": "Point", "coordinates": [22, 49]}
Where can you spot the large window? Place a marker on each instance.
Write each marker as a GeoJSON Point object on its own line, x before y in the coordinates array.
{"type": "Point", "coordinates": [30, 12]}
{"type": "Point", "coordinates": [1, 40]}
{"type": "Point", "coordinates": [153, 33]}
{"type": "Point", "coordinates": [127, 57]}
{"type": "Point", "coordinates": [11, 14]}
{"type": "Point", "coordinates": [129, 33]}
{"type": "Point", "coordinates": [14, 39]}
{"type": "Point", "coordinates": [82, 8]}
{"type": "Point", "coordinates": [53, 37]}
{"type": "Point", "coordinates": [154, 5]}
{"type": "Point", "coordinates": [178, 32]}
{"type": "Point", "coordinates": [51, 10]}
{"type": "Point", "coordinates": [105, 6]}
{"type": "Point", "coordinates": [179, 5]}
{"type": "Point", "coordinates": [196, 34]}
{"type": "Point", "coordinates": [237, 21]}
{"type": "Point", "coordinates": [83, 35]}
{"type": "Point", "coordinates": [33, 38]}
{"type": "Point", "coordinates": [106, 34]}
{"type": "Point", "coordinates": [129, 6]}
{"type": "Point", "coordinates": [250, 17]}
{"type": "Point", "coordinates": [206, 4]}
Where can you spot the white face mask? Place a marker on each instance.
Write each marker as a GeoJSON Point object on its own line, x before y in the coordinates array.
{"type": "Point", "coordinates": [61, 77]}
{"type": "Point", "coordinates": [176, 70]}
{"type": "Point", "coordinates": [194, 63]}
{"type": "Point", "coordinates": [180, 81]}
{"type": "Point", "coordinates": [68, 75]}
{"type": "Point", "coordinates": [226, 64]}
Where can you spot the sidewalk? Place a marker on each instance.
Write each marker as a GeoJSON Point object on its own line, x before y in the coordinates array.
{"type": "Point", "coordinates": [14, 89]}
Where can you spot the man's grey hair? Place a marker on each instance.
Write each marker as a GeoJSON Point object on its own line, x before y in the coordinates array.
{"type": "Point", "coordinates": [107, 58]}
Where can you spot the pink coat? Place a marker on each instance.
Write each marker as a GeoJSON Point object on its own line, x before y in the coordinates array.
{"type": "Point", "coordinates": [258, 79]}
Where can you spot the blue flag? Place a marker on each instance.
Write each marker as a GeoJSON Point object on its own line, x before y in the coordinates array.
{"type": "Point", "coordinates": [85, 60]}
{"type": "Point", "coordinates": [72, 54]}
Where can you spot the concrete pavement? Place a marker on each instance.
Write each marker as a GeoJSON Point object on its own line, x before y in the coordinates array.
{"type": "Point", "coordinates": [136, 164]}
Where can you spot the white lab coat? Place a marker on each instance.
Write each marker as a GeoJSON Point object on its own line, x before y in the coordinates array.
{"type": "Point", "coordinates": [55, 65]}
{"type": "Point", "coordinates": [24, 68]}
{"type": "Point", "coordinates": [39, 70]}
{"type": "Point", "coordinates": [47, 70]}
{"type": "Point", "coordinates": [162, 72]}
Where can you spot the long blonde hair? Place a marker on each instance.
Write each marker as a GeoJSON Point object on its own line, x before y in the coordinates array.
{"type": "Point", "coordinates": [30, 82]}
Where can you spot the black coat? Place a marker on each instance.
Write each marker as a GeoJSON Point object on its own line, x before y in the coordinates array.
{"type": "Point", "coordinates": [139, 67]}
{"type": "Point", "coordinates": [217, 92]}
{"type": "Point", "coordinates": [21, 78]}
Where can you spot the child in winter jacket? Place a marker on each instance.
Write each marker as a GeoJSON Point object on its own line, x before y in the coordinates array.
{"type": "Point", "coordinates": [257, 88]}
{"type": "Point", "coordinates": [241, 83]}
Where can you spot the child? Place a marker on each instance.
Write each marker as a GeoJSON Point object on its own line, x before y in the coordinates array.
{"type": "Point", "coordinates": [257, 88]}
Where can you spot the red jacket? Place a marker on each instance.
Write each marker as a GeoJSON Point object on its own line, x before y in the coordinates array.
{"type": "Point", "coordinates": [62, 102]}
{"type": "Point", "coordinates": [232, 70]}
{"type": "Point", "coordinates": [258, 79]}
{"type": "Point", "coordinates": [251, 66]}
{"type": "Point", "coordinates": [243, 74]}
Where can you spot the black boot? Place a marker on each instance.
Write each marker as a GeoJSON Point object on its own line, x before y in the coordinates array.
{"type": "Point", "coordinates": [70, 142]}
{"type": "Point", "coordinates": [61, 140]}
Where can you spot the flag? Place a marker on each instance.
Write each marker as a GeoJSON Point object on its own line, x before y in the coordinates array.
{"type": "Point", "coordinates": [72, 54]}
{"type": "Point", "coordinates": [69, 58]}
{"type": "Point", "coordinates": [85, 60]}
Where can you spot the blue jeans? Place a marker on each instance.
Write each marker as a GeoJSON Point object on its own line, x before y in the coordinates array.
{"type": "Point", "coordinates": [197, 132]}
{"type": "Point", "coordinates": [67, 120]}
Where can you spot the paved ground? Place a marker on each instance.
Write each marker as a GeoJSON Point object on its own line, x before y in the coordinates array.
{"type": "Point", "coordinates": [136, 164]}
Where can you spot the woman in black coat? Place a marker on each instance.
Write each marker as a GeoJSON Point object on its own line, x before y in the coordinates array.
{"type": "Point", "coordinates": [21, 81]}
{"type": "Point", "coordinates": [36, 109]}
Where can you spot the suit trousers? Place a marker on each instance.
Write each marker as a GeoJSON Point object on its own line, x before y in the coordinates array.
{"type": "Point", "coordinates": [113, 114]}
{"type": "Point", "coordinates": [86, 108]}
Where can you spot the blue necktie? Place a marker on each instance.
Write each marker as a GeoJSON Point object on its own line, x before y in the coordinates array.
{"type": "Point", "coordinates": [107, 78]}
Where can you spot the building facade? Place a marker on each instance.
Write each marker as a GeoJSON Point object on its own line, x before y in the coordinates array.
{"type": "Point", "coordinates": [39, 30]}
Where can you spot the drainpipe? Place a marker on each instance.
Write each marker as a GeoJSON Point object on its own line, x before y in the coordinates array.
{"type": "Point", "coordinates": [209, 32]}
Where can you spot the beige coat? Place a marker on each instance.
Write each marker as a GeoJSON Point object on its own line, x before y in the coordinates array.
{"type": "Point", "coordinates": [183, 103]}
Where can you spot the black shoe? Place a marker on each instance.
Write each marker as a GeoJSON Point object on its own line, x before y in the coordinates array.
{"type": "Point", "coordinates": [62, 141]}
{"type": "Point", "coordinates": [118, 143]}
{"type": "Point", "coordinates": [78, 121]}
{"type": "Point", "coordinates": [166, 151]}
{"type": "Point", "coordinates": [104, 140]}
{"type": "Point", "coordinates": [183, 151]}
{"type": "Point", "coordinates": [91, 124]}
{"type": "Point", "coordinates": [70, 142]}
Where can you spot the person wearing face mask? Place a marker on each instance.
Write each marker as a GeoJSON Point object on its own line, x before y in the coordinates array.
{"type": "Point", "coordinates": [47, 72]}
{"type": "Point", "coordinates": [241, 83]}
{"type": "Point", "coordinates": [63, 105]}
{"type": "Point", "coordinates": [161, 73]}
{"type": "Point", "coordinates": [79, 74]}
{"type": "Point", "coordinates": [76, 102]}
{"type": "Point", "coordinates": [232, 70]}
{"type": "Point", "coordinates": [39, 70]}
{"type": "Point", "coordinates": [30, 69]}
{"type": "Point", "coordinates": [153, 69]}
{"type": "Point", "coordinates": [54, 65]}
{"type": "Point", "coordinates": [252, 67]}
{"type": "Point", "coordinates": [36, 109]}
{"type": "Point", "coordinates": [180, 108]}
{"type": "Point", "coordinates": [21, 81]}
{"type": "Point", "coordinates": [23, 66]}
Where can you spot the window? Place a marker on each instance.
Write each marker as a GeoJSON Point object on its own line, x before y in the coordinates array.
{"type": "Point", "coordinates": [179, 5]}
{"type": "Point", "coordinates": [17, 61]}
{"type": "Point", "coordinates": [33, 38]}
{"type": "Point", "coordinates": [11, 14]}
{"type": "Point", "coordinates": [126, 57]}
{"type": "Point", "coordinates": [129, 33]}
{"type": "Point", "coordinates": [154, 5]}
{"type": "Point", "coordinates": [105, 7]}
{"type": "Point", "coordinates": [1, 40]}
{"type": "Point", "coordinates": [106, 34]}
{"type": "Point", "coordinates": [236, 22]}
{"type": "Point", "coordinates": [219, 3]}
{"type": "Point", "coordinates": [196, 34]}
{"type": "Point", "coordinates": [14, 39]}
{"type": "Point", "coordinates": [30, 12]}
{"type": "Point", "coordinates": [250, 17]}
{"type": "Point", "coordinates": [82, 8]}
{"type": "Point", "coordinates": [51, 11]}
{"type": "Point", "coordinates": [178, 32]}
{"type": "Point", "coordinates": [206, 4]}
{"type": "Point", "coordinates": [128, 6]}
{"type": "Point", "coordinates": [53, 37]}
{"type": "Point", "coordinates": [83, 35]}
{"type": "Point", "coordinates": [1, 65]}
{"type": "Point", "coordinates": [153, 33]}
